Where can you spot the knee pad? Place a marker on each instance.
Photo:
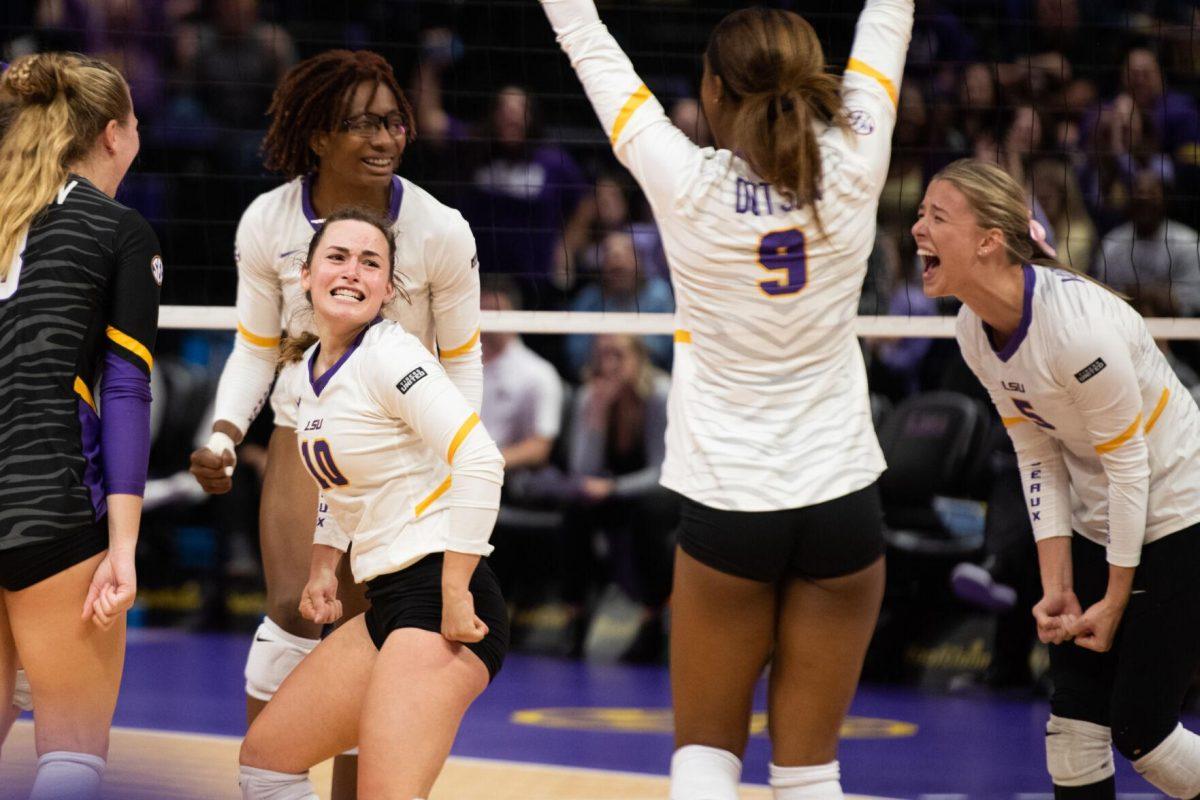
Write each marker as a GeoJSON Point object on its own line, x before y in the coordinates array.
{"type": "Point", "coordinates": [1173, 767]}
{"type": "Point", "coordinates": [820, 782]}
{"type": "Point", "coordinates": [266, 784]}
{"type": "Point", "coordinates": [273, 655]}
{"type": "Point", "coordinates": [699, 772]}
{"type": "Point", "coordinates": [62, 775]}
{"type": "Point", "coordinates": [1078, 753]}
{"type": "Point", "coordinates": [22, 693]}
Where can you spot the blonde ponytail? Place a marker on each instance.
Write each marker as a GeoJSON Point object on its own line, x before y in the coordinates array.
{"type": "Point", "coordinates": [55, 105]}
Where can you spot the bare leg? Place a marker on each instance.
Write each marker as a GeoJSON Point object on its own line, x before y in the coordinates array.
{"type": "Point", "coordinates": [824, 629]}
{"type": "Point", "coordinates": [344, 785]}
{"type": "Point", "coordinates": [287, 515]}
{"type": "Point", "coordinates": [420, 688]}
{"type": "Point", "coordinates": [315, 713]}
{"type": "Point", "coordinates": [74, 668]}
{"type": "Point", "coordinates": [722, 632]}
{"type": "Point", "coordinates": [8, 673]}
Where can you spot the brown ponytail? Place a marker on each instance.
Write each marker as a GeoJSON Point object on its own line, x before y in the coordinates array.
{"type": "Point", "coordinates": [772, 68]}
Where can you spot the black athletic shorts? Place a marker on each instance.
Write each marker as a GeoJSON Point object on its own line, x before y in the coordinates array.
{"type": "Point", "coordinates": [22, 567]}
{"type": "Point", "coordinates": [827, 540]}
{"type": "Point", "coordinates": [412, 598]}
{"type": "Point", "coordinates": [1138, 687]}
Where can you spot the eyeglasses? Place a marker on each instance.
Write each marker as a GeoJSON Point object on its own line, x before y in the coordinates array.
{"type": "Point", "coordinates": [366, 124]}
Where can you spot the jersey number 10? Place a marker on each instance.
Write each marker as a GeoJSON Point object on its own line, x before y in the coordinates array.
{"type": "Point", "coordinates": [783, 251]}
{"type": "Point", "coordinates": [320, 464]}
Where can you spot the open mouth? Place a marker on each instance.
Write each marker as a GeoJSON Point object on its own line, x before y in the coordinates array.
{"type": "Point", "coordinates": [349, 294]}
{"type": "Point", "coordinates": [931, 261]}
{"type": "Point", "coordinates": [378, 162]}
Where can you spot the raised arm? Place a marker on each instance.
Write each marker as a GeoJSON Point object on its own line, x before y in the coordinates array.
{"type": "Point", "coordinates": [871, 83]}
{"type": "Point", "coordinates": [657, 153]}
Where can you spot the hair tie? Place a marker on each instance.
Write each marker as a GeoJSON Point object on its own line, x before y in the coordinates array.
{"type": "Point", "coordinates": [1037, 232]}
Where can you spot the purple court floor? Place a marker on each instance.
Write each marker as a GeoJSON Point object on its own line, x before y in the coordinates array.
{"type": "Point", "coordinates": [899, 743]}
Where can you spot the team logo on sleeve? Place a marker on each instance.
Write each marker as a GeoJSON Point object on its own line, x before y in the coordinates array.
{"type": "Point", "coordinates": [861, 122]}
{"type": "Point", "coordinates": [410, 380]}
{"type": "Point", "coordinates": [156, 269]}
{"type": "Point", "coordinates": [1090, 371]}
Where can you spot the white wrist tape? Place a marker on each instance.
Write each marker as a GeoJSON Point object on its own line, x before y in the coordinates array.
{"type": "Point", "coordinates": [220, 443]}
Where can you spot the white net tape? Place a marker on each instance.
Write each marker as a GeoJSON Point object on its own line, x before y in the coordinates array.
{"type": "Point", "coordinates": [882, 327]}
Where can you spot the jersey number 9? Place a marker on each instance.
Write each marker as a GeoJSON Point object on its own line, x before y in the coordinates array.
{"type": "Point", "coordinates": [320, 464]}
{"type": "Point", "coordinates": [783, 251]}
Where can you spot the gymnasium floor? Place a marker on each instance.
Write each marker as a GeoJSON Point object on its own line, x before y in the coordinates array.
{"type": "Point", "coordinates": [557, 729]}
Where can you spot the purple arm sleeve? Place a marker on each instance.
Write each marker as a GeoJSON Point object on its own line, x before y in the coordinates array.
{"type": "Point", "coordinates": [124, 426]}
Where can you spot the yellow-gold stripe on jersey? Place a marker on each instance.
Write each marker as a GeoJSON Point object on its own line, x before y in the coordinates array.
{"type": "Point", "coordinates": [1113, 444]}
{"type": "Point", "coordinates": [463, 430]}
{"type": "Point", "coordinates": [463, 350]}
{"type": "Point", "coordinates": [434, 495]}
{"type": "Point", "coordinates": [631, 105]}
{"type": "Point", "coordinates": [682, 336]}
{"type": "Point", "coordinates": [1010, 421]}
{"type": "Point", "coordinates": [132, 345]}
{"type": "Point", "coordinates": [255, 339]}
{"type": "Point", "coordinates": [84, 392]}
{"type": "Point", "coordinates": [1158, 409]}
{"type": "Point", "coordinates": [863, 68]}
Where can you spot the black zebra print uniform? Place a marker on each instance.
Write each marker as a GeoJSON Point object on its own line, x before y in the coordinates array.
{"type": "Point", "coordinates": [78, 320]}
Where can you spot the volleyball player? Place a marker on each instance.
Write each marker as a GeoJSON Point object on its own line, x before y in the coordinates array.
{"type": "Point", "coordinates": [79, 287]}
{"type": "Point", "coordinates": [769, 439]}
{"type": "Point", "coordinates": [1108, 444]}
{"type": "Point", "coordinates": [339, 126]}
{"type": "Point", "coordinates": [408, 476]}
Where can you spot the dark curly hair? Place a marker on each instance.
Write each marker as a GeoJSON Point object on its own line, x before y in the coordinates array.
{"type": "Point", "coordinates": [314, 96]}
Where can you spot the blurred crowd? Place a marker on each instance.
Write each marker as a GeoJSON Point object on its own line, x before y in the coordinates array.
{"type": "Point", "coordinates": [1091, 103]}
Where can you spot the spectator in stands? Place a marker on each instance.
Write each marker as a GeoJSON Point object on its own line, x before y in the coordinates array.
{"type": "Point", "coordinates": [616, 450]}
{"type": "Point", "coordinates": [1056, 190]}
{"type": "Point", "coordinates": [1173, 115]}
{"type": "Point", "coordinates": [230, 64]}
{"type": "Point", "coordinates": [522, 194]}
{"type": "Point", "coordinates": [613, 213]}
{"type": "Point", "coordinates": [1152, 251]}
{"type": "Point", "coordinates": [622, 286]}
{"type": "Point", "coordinates": [896, 370]}
{"type": "Point", "coordinates": [1123, 143]}
{"type": "Point", "coordinates": [522, 409]}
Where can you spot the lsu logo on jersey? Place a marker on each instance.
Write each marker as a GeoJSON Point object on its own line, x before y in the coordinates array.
{"type": "Point", "coordinates": [410, 380]}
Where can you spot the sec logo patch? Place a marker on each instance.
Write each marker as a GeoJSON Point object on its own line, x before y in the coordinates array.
{"type": "Point", "coordinates": [156, 269]}
{"type": "Point", "coordinates": [861, 122]}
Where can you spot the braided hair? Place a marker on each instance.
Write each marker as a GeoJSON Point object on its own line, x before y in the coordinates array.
{"type": "Point", "coordinates": [314, 96]}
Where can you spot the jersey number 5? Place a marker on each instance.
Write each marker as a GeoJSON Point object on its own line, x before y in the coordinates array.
{"type": "Point", "coordinates": [783, 251]}
{"type": "Point", "coordinates": [1025, 408]}
{"type": "Point", "coordinates": [320, 464]}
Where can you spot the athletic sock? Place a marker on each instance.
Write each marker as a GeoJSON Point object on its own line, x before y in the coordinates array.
{"type": "Point", "coordinates": [820, 782]}
{"type": "Point", "coordinates": [266, 784]}
{"type": "Point", "coordinates": [704, 773]}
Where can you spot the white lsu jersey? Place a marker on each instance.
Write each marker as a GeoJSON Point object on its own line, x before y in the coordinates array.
{"type": "Point", "coordinates": [769, 407]}
{"type": "Point", "coordinates": [384, 433]}
{"type": "Point", "coordinates": [435, 259]}
{"type": "Point", "coordinates": [1107, 438]}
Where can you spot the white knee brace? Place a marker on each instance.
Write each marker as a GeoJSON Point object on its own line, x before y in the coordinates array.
{"type": "Point", "coordinates": [63, 775]}
{"type": "Point", "coordinates": [1174, 766]}
{"type": "Point", "coordinates": [273, 656]}
{"type": "Point", "coordinates": [699, 772]}
{"type": "Point", "coordinates": [266, 784]}
{"type": "Point", "coordinates": [22, 694]}
{"type": "Point", "coordinates": [1078, 753]}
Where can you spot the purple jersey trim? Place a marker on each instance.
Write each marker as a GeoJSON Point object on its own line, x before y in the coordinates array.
{"type": "Point", "coordinates": [318, 384]}
{"type": "Point", "coordinates": [93, 470]}
{"type": "Point", "coordinates": [124, 426]}
{"type": "Point", "coordinates": [1014, 341]}
{"type": "Point", "coordinates": [310, 213]}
